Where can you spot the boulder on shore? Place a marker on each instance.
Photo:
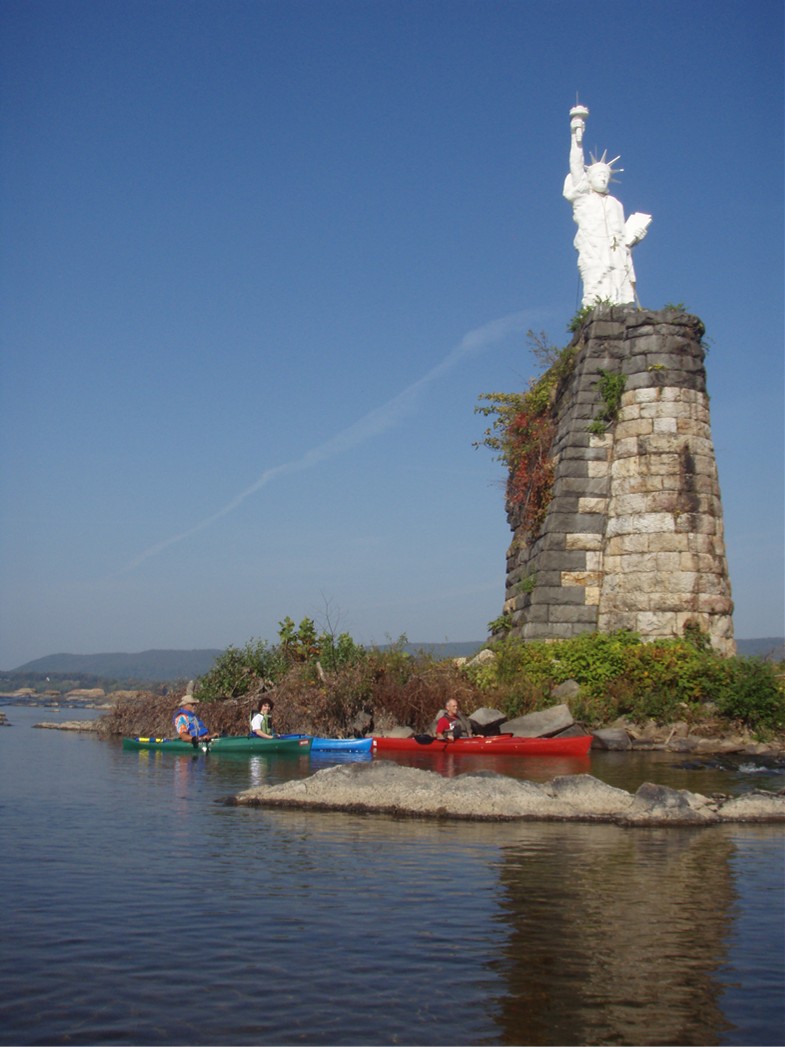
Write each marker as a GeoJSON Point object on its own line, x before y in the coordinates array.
{"type": "Point", "coordinates": [614, 738]}
{"type": "Point", "coordinates": [541, 724]}
{"type": "Point", "coordinates": [388, 788]}
{"type": "Point", "coordinates": [486, 721]}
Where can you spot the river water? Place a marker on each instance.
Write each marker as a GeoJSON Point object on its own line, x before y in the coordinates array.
{"type": "Point", "coordinates": [139, 909]}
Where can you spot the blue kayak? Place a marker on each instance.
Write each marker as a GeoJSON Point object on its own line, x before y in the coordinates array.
{"type": "Point", "coordinates": [346, 745]}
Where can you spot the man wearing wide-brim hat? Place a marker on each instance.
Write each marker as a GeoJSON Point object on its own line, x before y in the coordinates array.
{"type": "Point", "coordinates": [189, 727]}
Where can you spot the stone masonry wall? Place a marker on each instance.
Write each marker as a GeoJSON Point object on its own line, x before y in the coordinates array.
{"type": "Point", "coordinates": [633, 536]}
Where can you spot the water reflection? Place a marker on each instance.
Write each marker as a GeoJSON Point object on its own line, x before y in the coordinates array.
{"type": "Point", "coordinates": [329, 758]}
{"type": "Point", "coordinates": [186, 770]}
{"type": "Point", "coordinates": [450, 765]}
{"type": "Point", "coordinates": [258, 770]}
{"type": "Point", "coordinates": [614, 936]}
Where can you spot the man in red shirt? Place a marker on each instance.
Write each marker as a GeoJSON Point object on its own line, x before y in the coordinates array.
{"type": "Point", "coordinates": [451, 724]}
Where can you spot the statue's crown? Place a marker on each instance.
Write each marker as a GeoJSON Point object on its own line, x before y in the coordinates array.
{"type": "Point", "coordinates": [606, 163]}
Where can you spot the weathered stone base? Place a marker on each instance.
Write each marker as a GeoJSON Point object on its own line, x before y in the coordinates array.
{"type": "Point", "coordinates": [633, 537]}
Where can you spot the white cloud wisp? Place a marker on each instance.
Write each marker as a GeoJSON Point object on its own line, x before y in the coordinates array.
{"type": "Point", "coordinates": [375, 422]}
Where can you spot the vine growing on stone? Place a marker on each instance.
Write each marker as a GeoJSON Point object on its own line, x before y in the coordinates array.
{"type": "Point", "coordinates": [611, 385]}
{"type": "Point", "coordinates": [522, 434]}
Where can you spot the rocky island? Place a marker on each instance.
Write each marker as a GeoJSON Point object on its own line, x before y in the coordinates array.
{"type": "Point", "coordinates": [387, 788]}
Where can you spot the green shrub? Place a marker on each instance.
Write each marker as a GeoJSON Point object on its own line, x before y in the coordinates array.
{"type": "Point", "coordinates": [238, 670]}
{"type": "Point", "coordinates": [593, 659]}
{"type": "Point", "coordinates": [337, 652]}
{"type": "Point", "coordinates": [500, 626]}
{"type": "Point", "coordinates": [298, 643]}
{"type": "Point", "coordinates": [752, 693]}
{"type": "Point", "coordinates": [664, 673]}
{"type": "Point", "coordinates": [620, 675]}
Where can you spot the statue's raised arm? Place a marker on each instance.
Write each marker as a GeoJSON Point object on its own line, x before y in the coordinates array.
{"type": "Point", "coordinates": [578, 116]}
{"type": "Point", "coordinates": [604, 239]}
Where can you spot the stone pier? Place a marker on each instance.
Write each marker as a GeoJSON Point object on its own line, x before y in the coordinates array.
{"type": "Point", "coordinates": [633, 535]}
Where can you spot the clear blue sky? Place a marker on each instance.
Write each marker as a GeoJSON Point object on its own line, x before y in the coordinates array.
{"type": "Point", "coordinates": [259, 259]}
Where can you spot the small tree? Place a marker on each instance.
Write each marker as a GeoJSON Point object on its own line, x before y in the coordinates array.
{"type": "Point", "coordinates": [238, 670]}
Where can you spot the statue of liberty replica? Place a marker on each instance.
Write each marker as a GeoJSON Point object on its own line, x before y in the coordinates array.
{"type": "Point", "coordinates": [604, 240]}
{"type": "Point", "coordinates": [613, 494]}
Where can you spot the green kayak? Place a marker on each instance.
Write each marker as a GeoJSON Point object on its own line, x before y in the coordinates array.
{"type": "Point", "coordinates": [229, 744]}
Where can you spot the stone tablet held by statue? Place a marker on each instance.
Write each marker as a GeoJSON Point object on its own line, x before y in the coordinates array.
{"type": "Point", "coordinates": [604, 239]}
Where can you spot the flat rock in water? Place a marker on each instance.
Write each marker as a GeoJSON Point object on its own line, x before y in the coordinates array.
{"type": "Point", "coordinates": [70, 725]}
{"type": "Point", "coordinates": [756, 806]}
{"type": "Point", "coordinates": [389, 788]}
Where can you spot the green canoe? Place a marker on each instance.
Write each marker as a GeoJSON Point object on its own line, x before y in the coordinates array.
{"type": "Point", "coordinates": [229, 744]}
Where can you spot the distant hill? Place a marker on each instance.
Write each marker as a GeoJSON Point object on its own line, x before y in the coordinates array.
{"type": "Point", "coordinates": [443, 650]}
{"type": "Point", "coordinates": [146, 666]}
{"type": "Point", "coordinates": [772, 648]}
{"type": "Point", "coordinates": [164, 666]}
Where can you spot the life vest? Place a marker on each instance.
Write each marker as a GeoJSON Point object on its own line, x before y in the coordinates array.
{"type": "Point", "coordinates": [457, 725]}
{"type": "Point", "coordinates": [196, 727]}
{"type": "Point", "coordinates": [265, 726]}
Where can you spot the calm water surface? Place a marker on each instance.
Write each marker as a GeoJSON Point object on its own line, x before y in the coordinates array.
{"type": "Point", "coordinates": [139, 910]}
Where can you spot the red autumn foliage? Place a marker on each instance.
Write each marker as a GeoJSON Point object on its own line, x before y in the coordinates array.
{"type": "Point", "coordinates": [530, 481]}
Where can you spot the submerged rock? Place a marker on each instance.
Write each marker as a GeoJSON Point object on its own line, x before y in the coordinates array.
{"type": "Point", "coordinates": [389, 788]}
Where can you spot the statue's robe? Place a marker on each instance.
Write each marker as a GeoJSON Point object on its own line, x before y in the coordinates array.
{"type": "Point", "coordinates": [604, 259]}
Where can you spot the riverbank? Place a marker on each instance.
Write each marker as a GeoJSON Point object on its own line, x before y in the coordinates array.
{"type": "Point", "coordinates": [673, 738]}
{"type": "Point", "coordinates": [142, 714]}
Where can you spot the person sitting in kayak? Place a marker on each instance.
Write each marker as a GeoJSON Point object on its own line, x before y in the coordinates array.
{"type": "Point", "coordinates": [261, 724]}
{"type": "Point", "coordinates": [452, 724]}
{"type": "Point", "coordinates": [188, 725]}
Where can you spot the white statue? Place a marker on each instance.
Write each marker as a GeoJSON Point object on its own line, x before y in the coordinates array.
{"type": "Point", "coordinates": [604, 239]}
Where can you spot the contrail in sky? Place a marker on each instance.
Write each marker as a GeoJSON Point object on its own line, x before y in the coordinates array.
{"type": "Point", "coordinates": [371, 424]}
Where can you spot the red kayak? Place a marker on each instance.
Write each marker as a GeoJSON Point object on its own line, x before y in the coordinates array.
{"type": "Point", "coordinates": [499, 744]}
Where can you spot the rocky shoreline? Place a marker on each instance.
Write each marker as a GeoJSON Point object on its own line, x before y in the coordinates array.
{"type": "Point", "coordinates": [388, 788]}
{"type": "Point", "coordinates": [673, 738]}
{"type": "Point", "coordinates": [709, 738]}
